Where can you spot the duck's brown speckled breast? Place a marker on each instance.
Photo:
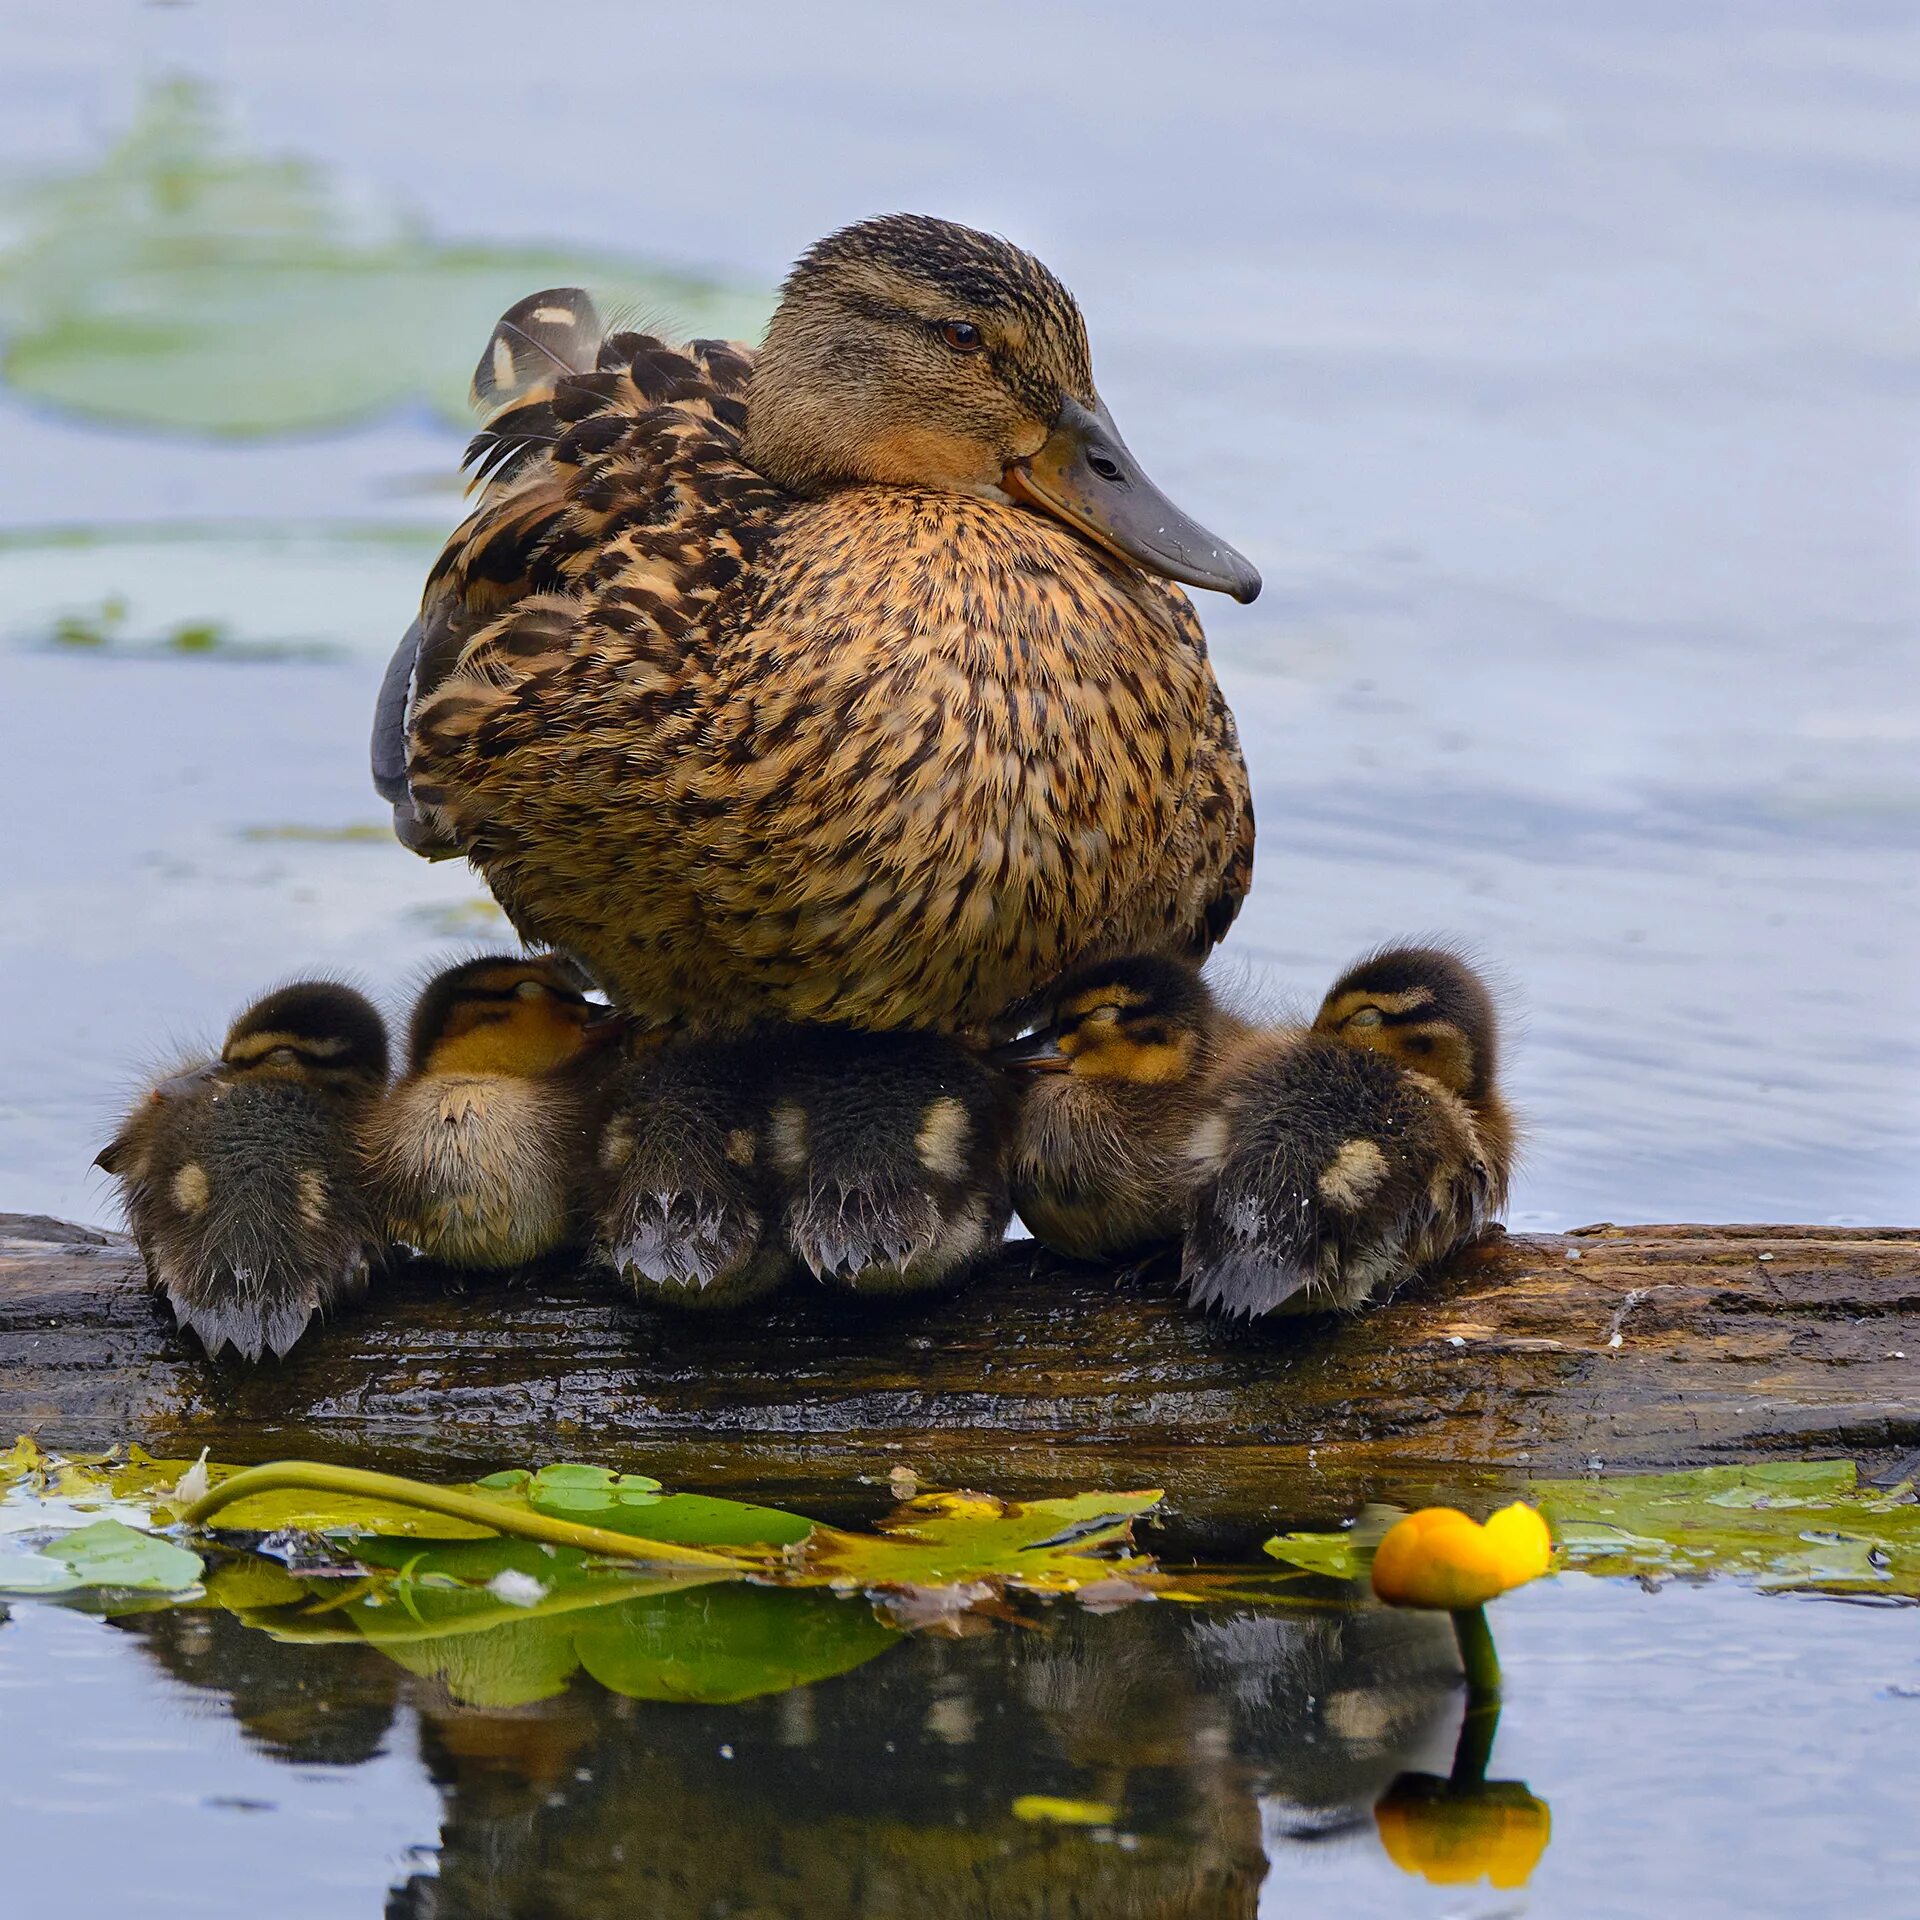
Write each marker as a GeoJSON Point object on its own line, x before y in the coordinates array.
{"type": "Point", "coordinates": [943, 750]}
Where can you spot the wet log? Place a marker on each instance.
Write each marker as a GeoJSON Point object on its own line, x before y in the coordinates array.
{"type": "Point", "coordinates": [1617, 1347]}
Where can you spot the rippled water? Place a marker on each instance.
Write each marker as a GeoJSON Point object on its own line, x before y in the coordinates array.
{"type": "Point", "coordinates": [1557, 367]}
{"type": "Point", "coordinates": [1240, 1755]}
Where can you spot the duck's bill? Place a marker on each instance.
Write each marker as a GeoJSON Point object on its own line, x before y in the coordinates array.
{"type": "Point", "coordinates": [1086, 476]}
{"type": "Point", "coordinates": [1031, 1053]}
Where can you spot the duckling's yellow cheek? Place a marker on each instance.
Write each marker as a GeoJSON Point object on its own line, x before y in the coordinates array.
{"type": "Point", "coordinates": [189, 1189]}
{"type": "Point", "coordinates": [534, 1038]}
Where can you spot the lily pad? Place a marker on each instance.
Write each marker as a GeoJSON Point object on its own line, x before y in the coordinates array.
{"type": "Point", "coordinates": [1790, 1526]}
{"type": "Point", "coordinates": [1801, 1526]}
{"type": "Point", "coordinates": [184, 285]}
{"type": "Point", "coordinates": [111, 1554]}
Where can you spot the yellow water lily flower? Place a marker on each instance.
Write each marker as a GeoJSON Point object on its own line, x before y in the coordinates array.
{"type": "Point", "coordinates": [1440, 1558]}
{"type": "Point", "coordinates": [1495, 1832]}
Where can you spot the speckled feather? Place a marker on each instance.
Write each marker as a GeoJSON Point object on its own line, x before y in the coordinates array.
{"type": "Point", "coordinates": [890, 756]}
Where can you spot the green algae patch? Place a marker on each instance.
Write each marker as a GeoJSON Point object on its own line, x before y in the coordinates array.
{"type": "Point", "coordinates": [182, 284]}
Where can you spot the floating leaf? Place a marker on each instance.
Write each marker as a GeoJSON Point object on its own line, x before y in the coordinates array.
{"type": "Point", "coordinates": [110, 1554]}
{"type": "Point", "coordinates": [966, 1539]}
{"type": "Point", "coordinates": [1046, 1809]}
{"type": "Point", "coordinates": [183, 285]}
{"type": "Point", "coordinates": [36, 1573]}
{"type": "Point", "coordinates": [583, 1490]}
{"type": "Point", "coordinates": [723, 1644]}
{"type": "Point", "coordinates": [1800, 1525]}
{"type": "Point", "coordinates": [1335, 1556]}
{"type": "Point", "coordinates": [1803, 1526]}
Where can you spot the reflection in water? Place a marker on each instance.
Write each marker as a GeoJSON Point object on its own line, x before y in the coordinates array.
{"type": "Point", "coordinates": [1465, 1827]}
{"type": "Point", "coordinates": [889, 1791]}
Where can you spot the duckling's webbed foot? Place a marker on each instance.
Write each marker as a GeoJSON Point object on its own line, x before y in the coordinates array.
{"type": "Point", "coordinates": [889, 1149]}
{"type": "Point", "coordinates": [1328, 1176]}
{"type": "Point", "coordinates": [686, 1208]}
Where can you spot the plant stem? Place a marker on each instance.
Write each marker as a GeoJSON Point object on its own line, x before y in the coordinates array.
{"type": "Point", "coordinates": [1473, 1750]}
{"type": "Point", "coordinates": [307, 1476]}
{"type": "Point", "coordinates": [1477, 1653]}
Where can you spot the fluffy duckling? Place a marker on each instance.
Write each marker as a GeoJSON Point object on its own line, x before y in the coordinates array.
{"type": "Point", "coordinates": [761, 681]}
{"type": "Point", "coordinates": [1341, 1161]}
{"type": "Point", "coordinates": [1306, 1169]}
{"type": "Point", "coordinates": [242, 1177]}
{"type": "Point", "coordinates": [889, 1152]}
{"type": "Point", "coordinates": [1120, 1063]}
{"type": "Point", "coordinates": [480, 1149]}
{"type": "Point", "coordinates": [1427, 1010]}
{"type": "Point", "coordinates": [686, 1203]}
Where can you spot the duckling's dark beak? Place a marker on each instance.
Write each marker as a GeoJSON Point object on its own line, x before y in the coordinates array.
{"type": "Point", "coordinates": [601, 1026]}
{"type": "Point", "coordinates": [1032, 1053]}
{"type": "Point", "coordinates": [1085, 475]}
{"type": "Point", "coordinates": [179, 1086]}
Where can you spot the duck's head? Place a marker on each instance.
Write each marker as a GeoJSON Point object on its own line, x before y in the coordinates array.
{"type": "Point", "coordinates": [503, 1014]}
{"type": "Point", "coordinates": [1144, 1020]}
{"type": "Point", "coordinates": [315, 1031]}
{"type": "Point", "coordinates": [912, 351]}
{"type": "Point", "coordinates": [1425, 1009]}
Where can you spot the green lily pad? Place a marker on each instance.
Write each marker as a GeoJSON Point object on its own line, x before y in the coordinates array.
{"type": "Point", "coordinates": [111, 1554]}
{"type": "Point", "coordinates": [183, 285]}
{"type": "Point", "coordinates": [36, 1573]}
{"type": "Point", "coordinates": [1800, 1526]}
{"type": "Point", "coordinates": [1788, 1526]}
{"type": "Point", "coordinates": [1335, 1556]}
{"type": "Point", "coordinates": [721, 1644]}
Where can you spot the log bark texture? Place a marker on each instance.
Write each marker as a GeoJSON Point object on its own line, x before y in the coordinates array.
{"type": "Point", "coordinates": [1630, 1347]}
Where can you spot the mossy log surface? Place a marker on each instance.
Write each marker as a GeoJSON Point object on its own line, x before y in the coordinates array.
{"type": "Point", "coordinates": [1633, 1347]}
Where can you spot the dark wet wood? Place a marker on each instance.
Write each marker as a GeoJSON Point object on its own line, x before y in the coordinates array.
{"type": "Point", "coordinates": [1633, 1347]}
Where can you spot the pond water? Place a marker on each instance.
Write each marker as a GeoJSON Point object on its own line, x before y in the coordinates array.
{"type": "Point", "coordinates": [1556, 365]}
{"type": "Point", "coordinates": [1225, 1761]}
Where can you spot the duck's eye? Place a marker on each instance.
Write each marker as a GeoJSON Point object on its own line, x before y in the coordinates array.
{"type": "Point", "coordinates": [962, 336]}
{"type": "Point", "coordinates": [283, 1057]}
{"type": "Point", "coordinates": [1367, 1017]}
{"type": "Point", "coordinates": [529, 990]}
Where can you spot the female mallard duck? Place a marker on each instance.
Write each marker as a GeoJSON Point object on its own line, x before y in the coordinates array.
{"type": "Point", "coordinates": [842, 682]}
{"type": "Point", "coordinates": [242, 1178]}
{"type": "Point", "coordinates": [1305, 1169]}
{"type": "Point", "coordinates": [480, 1149]}
{"type": "Point", "coordinates": [871, 1161]}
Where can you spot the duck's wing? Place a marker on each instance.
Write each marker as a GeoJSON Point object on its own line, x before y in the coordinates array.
{"type": "Point", "coordinates": [639, 509]}
{"type": "Point", "coordinates": [1226, 814]}
{"type": "Point", "coordinates": [541, 340]}
{"type": "Point", "coordinates": [549, 385]}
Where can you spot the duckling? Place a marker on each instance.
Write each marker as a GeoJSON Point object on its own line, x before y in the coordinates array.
{"type": "Point", "coordinates": [1120, 1063]}
{"type": "Point", "coordinates": [242, 1178]}
{"type": "Point", "coordinates": [686, 1203]}
{"type": "Point", "coordinates": [1426, 1009]}
{"type": "Point", "coordinates": [1343, 1160]}
{"type": "Point", "coordinates": [479, 1151]}
{"type": "Point", "coordinates": [1305, 1168]}
{"type": "Point", "coordinates": [889, 1150]}
{"type": "Point", "coordinates": [762, 683]}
